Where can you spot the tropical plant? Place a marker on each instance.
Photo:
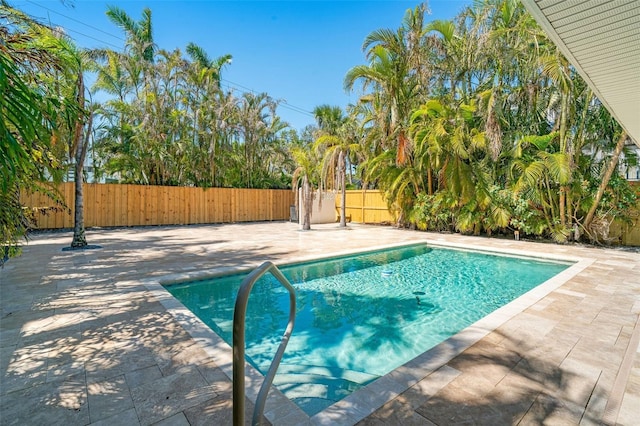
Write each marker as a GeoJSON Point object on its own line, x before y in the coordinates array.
{"type": "Point", "coordinates": [170, 122]}
{"type": "Point", "coordinates": [139, 34]}
{"type": "Point", "coordinates": [389, 75]}
{"type": "Point", "coordinates": [606, 178]}
{"type": "Point", "coordinates": [27, 119]}
{"type": "Point", "coordinates": [75, 121]}
{"type": "Point", "coordinates": [304, 179]}
{"type": "Point", "coordinates": [333, 146]}
{"type": "Point", "coordinates": [506, 136]}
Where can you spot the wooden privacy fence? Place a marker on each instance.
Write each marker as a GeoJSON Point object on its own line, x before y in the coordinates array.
{"type": "Point", "coordinates": [370, 207]}
{"type": "Point", "coordinates": [628, 233]}
{"type": "Point", "coordinates": [365, 207]}
{"type": "Point", "coordinates": [135, 205]}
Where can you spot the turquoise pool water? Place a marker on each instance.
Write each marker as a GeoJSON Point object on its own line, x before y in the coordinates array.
{"type": "Point", "coordinates": [360, 317]}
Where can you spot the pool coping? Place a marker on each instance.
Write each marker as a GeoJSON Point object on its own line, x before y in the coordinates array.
{"type": "Point", "coordinates": [363, 402]}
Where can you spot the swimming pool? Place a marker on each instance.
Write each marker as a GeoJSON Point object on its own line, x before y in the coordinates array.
{"type": "Point", "coordinates": [360, 317]}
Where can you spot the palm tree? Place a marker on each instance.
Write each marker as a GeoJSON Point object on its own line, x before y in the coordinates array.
{"type": "Point", "coordinates": [139, 34]}
{"type": "Point", "coordinates": [334, 146]}
{"type": "Point", "coordinates": [112, 78]}
{"type": "Point", "coordinates": [203, 85]}
{"type": "Point", "coordinates": [79, 144]}
{"type": "Point", "coordinates": [389, 74]}
{"type": "Point", "coordinates": [138, 63]}
{"type": "Point", "coordinates": [449, 137]}
{"type": "Point", "coordinates": [111, 75]}
{"type": "Point", "coordinates": [418, 46]}
{"type": "Point", "coordinates": [219, 113]}
{"type": "Point", "coordinates": [556, 67]}
{"type": "Point", "coordinates": [65, 82]}
{"type": "Point", "coordinates": [303, 178]}
{"type": "Point", "coordinates": [257, 119]}
{"type": "Point", "coordinates": [449, 57]}
{"type": "Point", "coordinates": [74, 118]}
{"type": "Point", "coordinates": [207, 68]}
{"type": "Point", "coordinates": [537, 171]}
{"type": "Point", "coordinates": [613, 163]}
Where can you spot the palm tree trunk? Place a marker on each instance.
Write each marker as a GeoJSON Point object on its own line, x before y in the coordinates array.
{"type": "Point", "coordinates": [307, 202]}
{"type": "Point", "coordinates": [343, 200]}
{"type": "Point", "coordinates": [564, 149]}
{"type": "Point", "coordinates": [79, 238]}
{"type": "Point", "coordinates": [80, 144]}
{"type": "Point", "coordinates": [561, 203]}
{"type": "Point", "coordinates": [550, 197]}
{"type": "Point", "coordinates": [605, 180]}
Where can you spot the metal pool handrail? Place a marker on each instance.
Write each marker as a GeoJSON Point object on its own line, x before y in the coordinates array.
{"type": "Point", "coordinates": [239, 317]}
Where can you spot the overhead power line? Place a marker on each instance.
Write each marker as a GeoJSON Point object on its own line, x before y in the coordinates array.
{"type": "Point", "coordinates": [78, 21]}
{"type": "Point", "coordinates": [237, 86]}
{"type": "Point", "coordinates": [283, 103]}
{"type": "Point", "coordinates": [92, 38]}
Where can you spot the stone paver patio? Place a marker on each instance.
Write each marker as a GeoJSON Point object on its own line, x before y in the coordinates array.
{"type": "Point", "coordinates": [88, 337]}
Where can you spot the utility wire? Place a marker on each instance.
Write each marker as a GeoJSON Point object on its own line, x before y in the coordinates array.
{"type": "Point", "coordinates": [238, 86]}
{"type": "Point", "coordinates": [283, 103]}
{"type": "Point", "coordinates": [78, 21]}
{"type": "Point", "coordinates": [92, 38]}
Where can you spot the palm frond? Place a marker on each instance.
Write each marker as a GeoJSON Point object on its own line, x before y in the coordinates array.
{"type": "Point", "coordinates": [199, 55]}
{"type": "Point", "coordinates": [445, 28]}
{"type": "Point", "coordinates": [558, 166]}
{"type": "Point", "coordinates": [385, 37]}
{"type": "Point", "coordinates": [532, 175]}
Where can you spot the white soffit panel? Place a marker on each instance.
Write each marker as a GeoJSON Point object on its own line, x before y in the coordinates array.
{"type": "Point", "coordinates": [601, 39]}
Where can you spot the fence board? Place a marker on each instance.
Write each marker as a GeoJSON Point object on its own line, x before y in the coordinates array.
{"type": "Point", "coordinates": [89, 199]}
{"type": "Point", "coordinates": [202, 211]}
{"type": "Point", "coordinates": [209, 205]}
{"type": "Point", "coordinates": [66, 220]}
{"type": "Point", "coordinates": [119, 205]}
{"type": "Point", "coordinates": [188, 196]}
{"type": "Point", "coordinates": [131, 200]}
{"type": "Point", "coordinates": [133, 212]}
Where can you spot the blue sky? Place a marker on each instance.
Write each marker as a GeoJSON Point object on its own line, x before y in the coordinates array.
{"type": "Point", "coordinates": [296, 51]}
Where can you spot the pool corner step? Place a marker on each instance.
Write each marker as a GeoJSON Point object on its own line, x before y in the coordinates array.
{"type": "Point", "coordinates": [314, 388]}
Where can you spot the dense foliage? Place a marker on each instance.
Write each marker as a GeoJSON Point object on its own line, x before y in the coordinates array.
{"type": "Point", "coordinates": [477, 124]}
{"type": "Point", "coordinates": [32, 115]}
{"type": "Point", "coordinates": [169, 122]}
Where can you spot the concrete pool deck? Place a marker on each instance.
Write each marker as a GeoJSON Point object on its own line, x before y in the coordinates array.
{"type": "Point", "coordinates": [87, 337]}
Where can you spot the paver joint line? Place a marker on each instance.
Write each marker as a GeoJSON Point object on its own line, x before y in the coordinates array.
{"type": "Point", "coordinates": [612, 409]}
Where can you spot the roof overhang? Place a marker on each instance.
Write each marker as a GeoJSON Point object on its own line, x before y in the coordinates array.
{"type": "Point", "coordinates": [601, 39]}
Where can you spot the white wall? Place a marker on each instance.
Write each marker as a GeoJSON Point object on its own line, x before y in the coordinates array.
{"type": "Point", "coordinates": [320, 214]}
